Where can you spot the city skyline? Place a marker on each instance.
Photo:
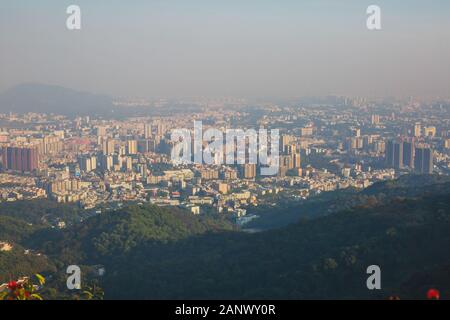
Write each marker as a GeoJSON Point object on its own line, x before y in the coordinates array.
{"type": "Point", "coordinates": [243, 152]}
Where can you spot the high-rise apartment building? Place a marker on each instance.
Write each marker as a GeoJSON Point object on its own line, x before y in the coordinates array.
{"type": "Point", "coordinates": [24, 159]}
{"type": "Point", "coordinates": [423, 163]}
{"type": "Point", "coordinates": [108, 146]}
{"type": "Point", "coordinates": [394, 154]}
{"type": "Point", "coordinates": [375, 119]}
{"type": "Point", "coordinates": [417, 130]}
{"type": "Point", "coordinates": [147, 131]}
{"type": "Point", "coordinates": [297, 160]}
{"type": "Point", "coordinates": [408, 153]}
{"type": "Point", "coordinates": [132, 146]}
{"type": "Point", "coordinates": [429, 131]}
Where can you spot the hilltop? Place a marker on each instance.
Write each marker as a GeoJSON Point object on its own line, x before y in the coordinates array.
{"type": "Point", "coordinates": [43, 98]}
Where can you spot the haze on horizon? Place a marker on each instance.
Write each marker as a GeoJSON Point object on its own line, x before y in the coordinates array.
{"type": "Point", "coordinates": [244, 48]}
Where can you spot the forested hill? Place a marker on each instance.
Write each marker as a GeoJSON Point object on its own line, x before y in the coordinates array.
{"type": "Point", "coordinates": [321, 258]}
{"type": "Point", "coordinates": [114, 234]}
{"type": "Point", "coordinates": [156, 253]}
{"type": "Point", "coordinates": [40, 247]}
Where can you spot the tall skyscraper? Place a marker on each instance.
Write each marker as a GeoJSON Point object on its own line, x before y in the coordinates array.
{"type": "Point", "coordinates": [394, 154]}
{"type": "Point", "coordinates": [287, 161]}
{"type": "Point", "coordinates": [297, 160]}
{"type": "Point", "coordinates": [290, 148]}
{"type": "Point", "coordinates": [25, 159]}
{"type": "Point", "coordinates": [355, 132]}
{"type": "Point", "coordinates": [423, 162]}
{"type": "Point", "coordinates": [107, 162]}
{"type": "Point", "coordinates": [132, 146]}
{"type": "Point", "coordinates": [375, 119]}
{"type": "Point", "coordinates": [122, 150]}
{"type": "Point", "coordinates": [429, 131]}
{"type": "Point", "coordinates": [447, 143]}
{"type": "Point", "coordinates": [285, 141]}
{"type": "Point", "coordinates": [101, 131]}
{"type": "Point", "coordinates": [408, 153]}
{"type": "Point", "coordinates": [128, 162]}
{"type": "Point", "coordinates": [52, 145]}
{"type": "Point", "coordinates": [143, 170]}
{"type": "Point", "coordinates": [160, 129]}
{"type": "Point", "coordinates": [87, 163]}
{"type": "Point", "coordinates": [147, 131]}
{"type": "Point", "coordinates": [108, 146]}
{"type": "Point", "coordinates": [417, 130]}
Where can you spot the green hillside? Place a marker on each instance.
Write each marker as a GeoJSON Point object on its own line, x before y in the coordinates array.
{"type": "Point", "coordinates": [150, 252]}
{"type": "Point", "coordinates": [321, 258]}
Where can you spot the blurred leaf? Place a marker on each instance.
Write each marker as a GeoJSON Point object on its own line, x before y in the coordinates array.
{"type": "Point", "coordinates": [40, 278]}
{"type": "Point", "coordinates": [36, 296]}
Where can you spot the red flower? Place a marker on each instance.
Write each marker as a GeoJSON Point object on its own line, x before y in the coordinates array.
{"type": "Point", "coordinates": [433, 294]}
{"type": "Point", "coordinates": [12, 285]}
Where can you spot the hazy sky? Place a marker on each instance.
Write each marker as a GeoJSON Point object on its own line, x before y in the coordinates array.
{"type": "Point", "coordinates": [175, 48]}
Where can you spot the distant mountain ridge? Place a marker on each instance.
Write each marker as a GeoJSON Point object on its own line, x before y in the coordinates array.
{"type": "Point", "coordinates": [43, 98]}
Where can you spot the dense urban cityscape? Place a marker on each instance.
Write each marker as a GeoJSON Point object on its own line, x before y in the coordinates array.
{"type": "Point", "coordinates": [224, 158]}
{"type": "Point", "coordinates": [98, 163]}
